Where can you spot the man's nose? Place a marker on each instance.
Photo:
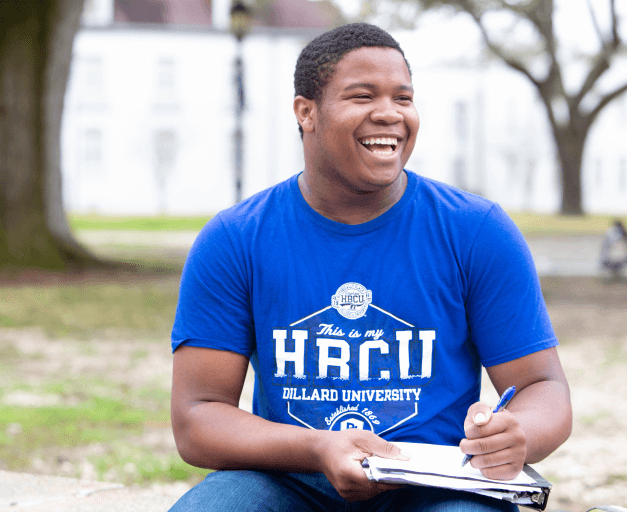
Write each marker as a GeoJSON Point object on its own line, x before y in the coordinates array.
{"type": "Point", "coordinates": [386, 112]}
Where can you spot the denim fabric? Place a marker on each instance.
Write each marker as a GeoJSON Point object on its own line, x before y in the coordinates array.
{"type": "Point", "coordinates": [267, 491]}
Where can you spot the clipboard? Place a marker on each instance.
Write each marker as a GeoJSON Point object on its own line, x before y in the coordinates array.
{"type": "Point", "coordinates": [440, 466]}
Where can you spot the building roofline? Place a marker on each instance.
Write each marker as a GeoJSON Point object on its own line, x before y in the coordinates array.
{"type": "Point", "coordinates": [305, 32]}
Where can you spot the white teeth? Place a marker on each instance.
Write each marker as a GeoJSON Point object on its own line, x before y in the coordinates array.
{"type": "Point", "coordinates": [391, 141]}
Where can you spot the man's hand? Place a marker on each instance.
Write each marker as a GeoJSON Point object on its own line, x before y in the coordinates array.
{"type": "Point", "coordinates": [496, 441]}
{"type": "Point", "coordinates": [341, 455]}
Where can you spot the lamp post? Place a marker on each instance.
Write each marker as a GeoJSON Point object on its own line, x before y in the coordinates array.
{"type": "Point", "coordinates": [241, 20]}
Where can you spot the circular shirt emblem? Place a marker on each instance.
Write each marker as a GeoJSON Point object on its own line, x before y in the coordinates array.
{"type": "Point", "coordinates": [351, 300]}
{"type": "Point", "coordinates": [350, 420]}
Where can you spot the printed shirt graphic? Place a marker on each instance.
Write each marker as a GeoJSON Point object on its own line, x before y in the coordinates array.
{"type": "Point", "coordinates": [336, 365]}
{"type": "Point", "coordinates": [380, 326]}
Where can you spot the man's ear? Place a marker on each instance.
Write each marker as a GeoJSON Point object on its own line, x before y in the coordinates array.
{"type": "Point", "coordinates": [306, 113]}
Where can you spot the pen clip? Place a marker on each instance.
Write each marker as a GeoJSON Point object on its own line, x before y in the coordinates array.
{"type": "Point", "coordinates": [505, 398]}
{"type": "Point", "coordinates": [504, 404]}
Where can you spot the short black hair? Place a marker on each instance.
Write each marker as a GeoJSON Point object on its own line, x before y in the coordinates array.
{"type": "Point", "coordinates": [316, 63]}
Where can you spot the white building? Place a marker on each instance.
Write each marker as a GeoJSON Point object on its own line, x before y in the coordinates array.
{"type": "Point", "coordinates": [150, 114]}
{"type": "Point", "coordinates": [149, 120]}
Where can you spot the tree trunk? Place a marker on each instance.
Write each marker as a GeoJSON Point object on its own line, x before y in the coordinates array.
{"type": "Point", "coordinates": [570, 146]}
{"type": "Point", "coordinates": [35, 52]}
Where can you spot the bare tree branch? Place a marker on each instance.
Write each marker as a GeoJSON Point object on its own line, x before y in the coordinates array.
{"type": "Point", "coordinates": [366, 9]}
{"type": "Point", "coordinates": [595, 22]}
{"type": "Point", "coordinates": [522, 10]}
{"type": "Point", "coordinates": [615, 36]}
{"type": "Point", "coordinates": [540, 13]}
{"type": "Point", "coordinates": [604, 101]}
{"type": "Point", "coordinates": [601, 65]}
{"type": "Point", "coordinates": [546, 99]}
{"type": "Point", "coordinates": [499, 51]}
{"type": "Point", "coordinates": [603, 59]}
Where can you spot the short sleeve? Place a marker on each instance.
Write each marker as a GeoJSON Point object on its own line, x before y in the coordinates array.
{"type": "Point", "coordinates": [506, 310]}
{"type": "Point", "coordinates": [213, 309]}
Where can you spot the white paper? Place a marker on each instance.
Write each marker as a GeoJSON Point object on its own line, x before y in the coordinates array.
{"type": "Point", "coordinates": [440, 466]}
{"type": "Point", "coordinates": [443, 461]}
{"type": "Point", "coordinates": [446, 482]}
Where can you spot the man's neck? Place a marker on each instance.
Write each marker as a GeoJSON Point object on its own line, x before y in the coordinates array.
{"type": "Point", "coordinates": [346, 207]}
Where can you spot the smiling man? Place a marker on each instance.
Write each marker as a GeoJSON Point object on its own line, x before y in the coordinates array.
{"type": "Point", "coordinates": [358, 135]}
{"type": "Point", "coordinates": [367, 299]}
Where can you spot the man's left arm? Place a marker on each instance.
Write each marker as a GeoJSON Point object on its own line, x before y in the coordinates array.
{"type": "Point", "coordinates": [534, 424]}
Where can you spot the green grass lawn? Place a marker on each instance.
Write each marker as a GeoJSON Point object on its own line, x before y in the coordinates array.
{"type": "Point", "coordinates": [159, 223]}
{"type": "Point", "coordinates": [105, 432]}
{"type": "Point", "coordinates": [85, 371]}
{"type": "Point", "coordinates": [87, 309]}
{"type": "Point", "coordinates": [543, 224]}
{"type": "Point", "coordinates": [529, 223]}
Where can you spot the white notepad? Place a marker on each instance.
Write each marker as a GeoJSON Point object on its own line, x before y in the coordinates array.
{"type": "Point", "coordinates": [440, 466]}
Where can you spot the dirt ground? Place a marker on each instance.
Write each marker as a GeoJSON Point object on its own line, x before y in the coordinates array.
{"type": "Point", "coordinates": [589, 315]}
{"type": "Point", "coordinates": [590, 318]}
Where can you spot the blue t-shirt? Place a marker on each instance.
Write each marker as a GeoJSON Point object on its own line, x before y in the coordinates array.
{"type": "Point", "coordinates": [383, 325]}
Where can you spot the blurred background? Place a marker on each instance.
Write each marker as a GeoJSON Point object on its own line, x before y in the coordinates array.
{"type": "Point", "coordinates": [126, 124]}
{"type": "Point", "coordinates": [151, 101]}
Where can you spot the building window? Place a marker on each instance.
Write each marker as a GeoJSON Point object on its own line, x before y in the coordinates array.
{"type": "Point", "coordinates": [165, 153]}
{"type": "Point", "coordinates": [92, 80]}
{"type": "Point", "coordinates": [166, 80]}
{"type": "Point", "coordinates": [530, 171]}
{"type": "Point", "coordinates": [512, 116]}
{"type": "Point", "coordinates": [459, 173]}
{"type": "Point", "coordinates": [92, 150]}
{"type": "Point", "coordinates": [461, 121]}
{"type": "Point", "coordinates": [165, 146]}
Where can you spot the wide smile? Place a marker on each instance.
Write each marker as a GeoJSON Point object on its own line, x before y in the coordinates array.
{"type": "Point", "coordinates": [380, 146]}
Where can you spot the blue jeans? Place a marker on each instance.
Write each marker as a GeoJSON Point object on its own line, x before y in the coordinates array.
{"type": "Point", "coordinates": [268, 491]}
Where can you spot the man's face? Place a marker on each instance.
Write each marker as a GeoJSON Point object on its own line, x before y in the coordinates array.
{"type": "Point", "coordinates": [366, 123]}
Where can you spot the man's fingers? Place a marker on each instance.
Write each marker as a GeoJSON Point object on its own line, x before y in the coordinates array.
{"type": "Point", "coordinates": [478, 414]}
{"type": "Point", "coordinates": [388, 450]}
{"type": "Point", "coordinates": [493, 459]}
{"type": "Point", "coordinates": [496, 435]}
{"type": "Point", "coordinates": [491, 425]}
{"type": "Point", "coordinates": [502, 465]}
{"type": "Point", "coordinates": [486, 446]}
{"type": "Point", "coordinates": [505, 472]}
{"type": "Point", "coordinates": [481, 418]}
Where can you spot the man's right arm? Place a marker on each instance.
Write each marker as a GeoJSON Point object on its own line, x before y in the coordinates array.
{"type": "Point", "coordinates": [212, 432]}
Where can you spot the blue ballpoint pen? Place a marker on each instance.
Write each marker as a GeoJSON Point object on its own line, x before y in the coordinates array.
{"type": "Point", "coordinates": [504, 400]}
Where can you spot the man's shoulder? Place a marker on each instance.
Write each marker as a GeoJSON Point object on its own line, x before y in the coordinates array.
{"type": "Point", "coordinates": [272, 201]}
{"type": "Point", "coordinates": [451, 199]}
{"type": "Point", "coordinates": [462, 215]}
